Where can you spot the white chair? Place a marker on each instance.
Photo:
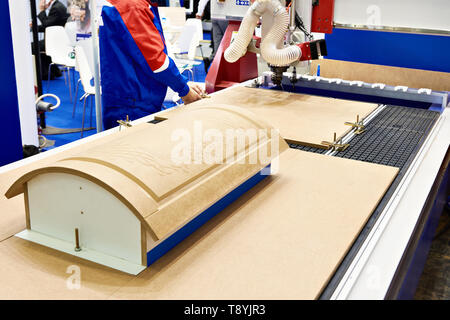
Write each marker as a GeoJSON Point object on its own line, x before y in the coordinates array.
{"type": "Point", "coordinates": [186, 42]}
{"type": "Point", "coordinates": [59, 49]}
{"type": "Point", "coordinates": [85, 77]}
{"type": "Point", "coordinates": [182, 64]}
{"type": "Point", "coordinates": [185, 49]}
{"type": "Point", "coordinates": [199, 29]}
{"type": "Point", "coordinates": [71, 30]}
{"type": "Point", "coordinates": [87, 46]}
{"type": "Point", "coordinates": [189, 40]}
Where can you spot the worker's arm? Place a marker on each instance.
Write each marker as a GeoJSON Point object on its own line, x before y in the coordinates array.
{"type": "Point", "coordinates": [147, 37]}
{"type": "Point", "coordinates": [201, 8]}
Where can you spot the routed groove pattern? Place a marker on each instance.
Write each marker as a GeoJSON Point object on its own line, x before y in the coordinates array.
{"type": "Point", "coordinates": [156, 121]}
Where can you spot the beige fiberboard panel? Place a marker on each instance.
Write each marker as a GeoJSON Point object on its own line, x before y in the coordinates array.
{"type": "Point", "coordinates": [281, 240]}
{"type": "Point", "coordinates": [140, 170]}
{"type": "Point", "coordinates": [372, 73]}
{"type": "Point", "coordinates": [304, 119]}
{"type": "Point", "coordinates": [10, 224]}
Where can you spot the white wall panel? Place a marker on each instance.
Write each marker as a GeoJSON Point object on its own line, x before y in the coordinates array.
{"type": "Point", "coordinates": [20, 29]}
{"type": "Point", "coordinates": [418, 14]}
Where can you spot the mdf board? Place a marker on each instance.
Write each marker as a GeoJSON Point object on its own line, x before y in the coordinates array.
{"type": "Point", "coordinates": [282, 240]}
{"type": "Point", "coordinates": [108, 190]}
{"type": "Point", "coordinates": [372, 73]}
{"type": "Point", "coordinates": [10, 224]}
{"type": "Point", "coordinates": [143, 169]}
{"type": "Point", "coordinates": [303, 119]}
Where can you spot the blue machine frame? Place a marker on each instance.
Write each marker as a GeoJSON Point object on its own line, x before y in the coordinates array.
{"type": "Point", "coordinates": [406, 50]}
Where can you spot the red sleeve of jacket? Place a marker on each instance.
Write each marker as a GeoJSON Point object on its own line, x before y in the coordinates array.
{"type": "Point", "coordinates": [139, 22]}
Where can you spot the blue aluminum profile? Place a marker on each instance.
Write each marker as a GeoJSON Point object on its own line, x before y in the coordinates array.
{"type": "Point", "coordinates": [360, 91]}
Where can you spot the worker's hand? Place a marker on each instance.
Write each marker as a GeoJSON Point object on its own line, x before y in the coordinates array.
{"type": "Point", "coordinates": [197, 88]}
{"type": "Point", "coordinates": [198, 16]}
{"type": "Point", "coordinates": [195, 93]}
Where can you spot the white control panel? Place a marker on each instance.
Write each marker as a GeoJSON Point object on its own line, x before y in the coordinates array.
{"type": "Point", "coordinates": [236, 10]}
{"type": "Point", "coordinates": [229, 9]}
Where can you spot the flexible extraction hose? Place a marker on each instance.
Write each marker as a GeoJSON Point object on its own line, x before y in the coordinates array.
{"type": "Point", "coordinates": [274, 39]}
{"type": "Point", "coordinates": [42, 142]}
{"type": "Point", "coordinates": [270, 46]}
{"type": "Point", "coordinates": [45, 106]}
{"type": "Point", "coordinates": [238, 46]}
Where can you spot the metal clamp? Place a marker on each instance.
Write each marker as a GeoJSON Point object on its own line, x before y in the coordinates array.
{"type": "Point", "coordinates": [358, 125]}
{"type": "Point", "coordinates": [126, 123]}
{"type": "Point", "coordinates": [336, 145]}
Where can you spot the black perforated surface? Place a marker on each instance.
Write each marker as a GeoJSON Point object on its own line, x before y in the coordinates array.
{"type": "Point", "coordinates": [391, 137]}
{"type": "Point", "coordinates": [309, 149]}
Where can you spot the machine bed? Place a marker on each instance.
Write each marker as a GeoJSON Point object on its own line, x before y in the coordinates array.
{"type": "Point", "coordinates": [386, 128]}
{"type": "Point", "coordinates": [393, 137]}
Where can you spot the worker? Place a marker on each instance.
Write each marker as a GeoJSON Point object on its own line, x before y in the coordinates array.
{"type": "Point", "coordinates": [135, 68]}
{"type": "Point", "coordinates": [52, 13]}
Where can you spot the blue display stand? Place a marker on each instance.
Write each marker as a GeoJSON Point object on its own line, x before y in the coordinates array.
{"type": "Point", "coordinates": [406, 50]}
{"type": "Point", "coordinates": [11, 149]}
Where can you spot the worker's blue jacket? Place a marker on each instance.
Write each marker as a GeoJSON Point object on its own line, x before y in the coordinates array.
{"type": "Point", "coordinates": [135, 67]}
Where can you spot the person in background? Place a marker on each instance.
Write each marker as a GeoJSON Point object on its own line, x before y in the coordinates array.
{"type": "Point", "coordinates": [218, 29]}
{"type": "Point", "coordinates": [52, 13]}
{"type": "Point", "coordinates": [135, 68]}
